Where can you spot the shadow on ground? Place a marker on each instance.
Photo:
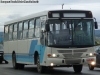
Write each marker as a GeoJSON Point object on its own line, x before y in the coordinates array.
{"type": "Point", "coordinates": [48, 72]}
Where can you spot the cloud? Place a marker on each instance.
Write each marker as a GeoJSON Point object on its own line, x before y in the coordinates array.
{"type": "Point", "coordinates": [14, 16]}
{"type": "Point", "coordinates": [15, 10]}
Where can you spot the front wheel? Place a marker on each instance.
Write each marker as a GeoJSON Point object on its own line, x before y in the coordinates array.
{"type": "Point", "coordinates": [77, 68]}
{"type": "Point", "coordinates": [90, 67]}
{"type": "Point", "coordinates": [41, 69]}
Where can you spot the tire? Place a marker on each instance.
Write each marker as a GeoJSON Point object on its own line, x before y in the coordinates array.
{"type": "Point", "coordinates": [0, 62]}
{"type": "Point", "coordinates": [15, 65]}
{"type": "Point", "coordinates": [21, 66]}
{"type": "Point", "coordinates": [90, 67]}
{"type": "Point", "coordinates": [40, 69]}
{"type": "Point", "coordinates": [77, 68]}
{"type": "Point", "coordinates": [6, 62]}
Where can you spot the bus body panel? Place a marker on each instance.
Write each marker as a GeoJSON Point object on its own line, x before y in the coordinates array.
{"type": "Point", "coordinates": [26, 48]}
{"type": "Point", "coordinates": [22, 46]}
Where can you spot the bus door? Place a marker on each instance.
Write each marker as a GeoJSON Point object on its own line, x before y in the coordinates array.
{"type": "Point", "coordinates": [42, 33]}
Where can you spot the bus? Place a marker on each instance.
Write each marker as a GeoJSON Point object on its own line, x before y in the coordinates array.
{"type": "Point", "coordinates": [51, 38]}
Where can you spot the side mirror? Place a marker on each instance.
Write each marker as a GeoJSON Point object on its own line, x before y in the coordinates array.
{"type": "Point", "coordinates": [47, 27]}
{"type": "Point", "coordinates": [96, 25]}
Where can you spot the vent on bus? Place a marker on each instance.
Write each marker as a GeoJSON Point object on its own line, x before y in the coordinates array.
{"type": "Point", "coordinates": [65, 51]}
{"type": "Point", "coordinates": [75, 55]}
{"type": "Point", "coordinates": [81, 50]}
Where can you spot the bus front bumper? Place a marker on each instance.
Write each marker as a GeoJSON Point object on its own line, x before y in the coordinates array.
{"type": "Point", "coordinates": [64, 62]}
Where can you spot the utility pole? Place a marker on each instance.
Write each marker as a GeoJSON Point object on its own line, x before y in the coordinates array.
{"type": "Point", "coordinates": [62, 6]}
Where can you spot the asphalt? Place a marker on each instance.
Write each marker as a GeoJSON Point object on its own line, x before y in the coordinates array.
{"type": "Point", "coordinates": [6, 69]}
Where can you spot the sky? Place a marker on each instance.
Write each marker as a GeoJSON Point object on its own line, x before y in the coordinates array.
{"type": "Point", "coordinates": [10, 11]}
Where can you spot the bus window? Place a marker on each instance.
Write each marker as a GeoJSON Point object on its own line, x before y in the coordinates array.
{"type": "Point", "coordinates": [6, 33]}
{"type": "Point", "coordinates": [31, 24]}
{"type": "Point", "coordinates": [37, 22]}
{"type": "Point", "coordinates": [37, 27]}
{"type": "Point", "coordinates": [25, 30]}
{"type": "Point", "coordinates": [15, 32]}
{"type": "Point", "coordinates": [10, 32]}
{"type": "Point", "coordinates": [20, 25]}
{"type": "Point", "coordinates": [31, 29]}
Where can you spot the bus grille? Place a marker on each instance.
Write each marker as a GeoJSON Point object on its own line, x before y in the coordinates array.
{"type": "Point", "coordinates": [65, 51]}
{"type": "Point", "coordinates": [83, 50]}
{"type": "Point", "coordinates": [72, 53]}
{"type": "Point", "coordinates": [75, 55]}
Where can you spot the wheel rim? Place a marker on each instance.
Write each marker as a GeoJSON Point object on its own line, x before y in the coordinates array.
{"type": "Point", "coordinates": [38, 65]}
{"type": "Point", "coordinates": [13, 61]}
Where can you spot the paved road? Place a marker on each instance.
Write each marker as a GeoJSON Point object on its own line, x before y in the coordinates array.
{"type": "Point", "coordinates": [6, 69]}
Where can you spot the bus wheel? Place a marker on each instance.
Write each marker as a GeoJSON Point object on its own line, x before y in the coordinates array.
{"type": "Point", "coordinates": [90, 67]}
{"type": "Point", "coordinates": [21, 66]}
{"type": "Point", "coordinates": [40, 69]}
{"type": "Point", "coordinates": [0, 62]}
{"type": "Point", "coordinates": [77, 68]}
{"type": "Point", "coordinates": [15, 65]}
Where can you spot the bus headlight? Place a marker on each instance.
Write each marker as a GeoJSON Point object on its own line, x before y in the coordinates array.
{"type": "Point", "coordinates": [93, 63]}
{"type": "Point", "coordinates": [54, 55]}
{"type": "Point", "coordinates": [91, 54]}
{"type": "Point", "coordinates": [52, 64]}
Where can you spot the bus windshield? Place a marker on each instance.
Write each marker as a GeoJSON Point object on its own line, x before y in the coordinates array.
{"type": "Point", "coordinates": [78, 32]}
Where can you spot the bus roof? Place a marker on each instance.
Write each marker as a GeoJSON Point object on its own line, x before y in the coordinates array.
{"type": "Point", "coordinates": [35, 15]}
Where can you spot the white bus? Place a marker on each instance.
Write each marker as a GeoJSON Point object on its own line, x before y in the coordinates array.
{"type": "Point", "coordinates": [54, 38]}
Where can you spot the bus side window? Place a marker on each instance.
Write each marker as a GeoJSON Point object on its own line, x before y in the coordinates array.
{"type": "Point", "coordinates": [6, 34]}
{"type": "Point", "coordinates": [37, 27]}
{"type": "Point", "coordinates": [20, 25]}
{"type": "Point", "coordinates": [43, 25]}
{"type": "Point", "coordinates": [25, 30]}
{"type": "Point", "coordinates": [10, 32]}
{"type": "Point", "coordinates": [31, 28]}
{"type": "Point", "coordinates": [15, 32]}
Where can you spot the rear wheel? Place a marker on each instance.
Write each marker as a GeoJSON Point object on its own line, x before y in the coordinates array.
{"type": "Point", "coordinates": [15, 65]}
{"type": "Point", "coordinates": [77, 68]}
{"type": "Point", "coordinates": [90, 67]}
{"type": "Point", "coordinates": [0, 62]}
{"type": "Point", "coordinates": [21, 66]}
{"type": "Point", "coordinates": [41, 69]}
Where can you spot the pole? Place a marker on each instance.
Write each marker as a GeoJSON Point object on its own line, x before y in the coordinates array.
{"type": "Point", "coordinates": [62, 6]}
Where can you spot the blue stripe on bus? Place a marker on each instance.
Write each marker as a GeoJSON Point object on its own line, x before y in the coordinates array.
{"type": "Point", "coordinates": [19, 57]}
{"type": "Point", "coordinates": [32, 46]}
{"type": "Point", "coordinates": [41, 51]}
{"type": "Point", "coordinates": [26, 58]}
